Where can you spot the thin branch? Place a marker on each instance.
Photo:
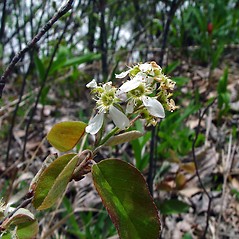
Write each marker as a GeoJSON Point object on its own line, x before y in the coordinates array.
{"type": "Point", "coordinates": [3, 20]}
{"type": "Point", "coordinates": [32, 113]}
{"type": "Point", "coordinates": [151, 161]}
{"type": "Point", "coordinates": [103, 39]}
{"type": "Point", "coordinates": [174, 6]}
{"type": "Point", "coordinates": [63, 10]}
{"type": "Point", "coordinates": [6, 41]}
{"type": "Point", "coordinates": [10, 132]}
{"type": "Point", "coordinates": [197, 167]}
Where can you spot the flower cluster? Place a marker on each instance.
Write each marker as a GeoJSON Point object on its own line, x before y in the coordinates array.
{"type": "Point", "coordinates": [147, 92]}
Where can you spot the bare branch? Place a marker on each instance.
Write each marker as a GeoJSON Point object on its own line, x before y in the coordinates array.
{"type": "Point", "coordinates": [62, 11]}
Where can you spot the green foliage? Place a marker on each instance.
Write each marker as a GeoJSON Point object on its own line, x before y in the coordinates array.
{"type": "Point", "coordinates": [73, 225]}
{"type": "Point", "coordinates": [173, 206]}
{"type": "Point", "coordinates": [173, 127]}
{"type": "Point", "coordinates": [39, 67]}
{"type": "Point", "coordinates": [223, 96]}
{"type": "Point", "coordinates": [21, 224]}
{"type": "Point", "coordinates": [139, 145]}
{"type": "Point", "coordinates": [125, 195]}
{"type": "Point", "coordinates": [53, 181]}
{"type": "Point", "coordinates": [190, 28]}
{"type": "Point", "coordinates": [187, 236]}
{"type": "Point", "coordinates": [123, 138]}
{"type": "Point", "coordinates": [171, 67]}
{"type": "Point", "coordinates": [235, 192]}
{"type": "Point", "coordinates": [27, 230]}
{"type": "Point", "coordinates": [65, 59]}
{"type": "Point", "coordinates": [104, 227]}
{"type": "Point", "coordinates": [83, 225]}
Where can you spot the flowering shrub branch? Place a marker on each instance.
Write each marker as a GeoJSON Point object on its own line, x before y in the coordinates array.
{"type": "Point", "coordinates": [144, 95]}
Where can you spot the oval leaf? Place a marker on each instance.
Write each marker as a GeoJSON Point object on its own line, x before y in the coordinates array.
{"type": "Point", "coordinates": [123, 138]}
{"type": "Point", "coordinates": [188, 167]}
{"type": "Point", "coordinates": [180, 181]}
{"type": "Point", "coordinates": [26, 230]}
{"type": "Point", "coordinates": [20, 216]}
{"type": "Point", "coordinates": [65, 135]}
{"type": "Point", "coordinates": [173, 206]}
{"type": "Point", "coordinates": [125, 194]}
{"type": "Point", "coordinates": [53, 181]}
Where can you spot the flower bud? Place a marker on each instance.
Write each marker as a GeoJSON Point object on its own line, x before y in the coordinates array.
{"type": "Point", "coordinates": [209, 28]}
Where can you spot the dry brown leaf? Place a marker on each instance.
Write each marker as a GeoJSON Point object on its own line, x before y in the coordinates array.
{"type": "Point", "coordinates": [189, 192]}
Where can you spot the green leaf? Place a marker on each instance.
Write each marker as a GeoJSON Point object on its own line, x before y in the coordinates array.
{"type": "Point", "coordinates": [65, 135]}
{"type": "Point", "coordinates": [20, 216]}
{"type": "Point", "coordinates": [171, 67]}
{"type": "Point", "coordinates": [125, 195]}
{"type": "Point", "coordinates": [180, 81]}
{"type": "Point", "coordinates": [123, 138]}
{"type": "Point", "coordinates": [173, 206]}
{"type": "Point", "coordinates": [187, 236]}
{"type": "Point", "coordinates": [26, 230]}
{"type": "Point", "coordinates": [137, 149]}
{"type": "Point", "coordinates": [39, 67]}
{"type": "Point", "coordinates": [62, 60]}
{"type": "Point", "coordinates": [222, 84]}
{"type": "Point", "coordinates": [24, 221]}
{"type": "Point", "coordinates": [53, 181]}
{"type": "Point", "coordinates": [82, 59]}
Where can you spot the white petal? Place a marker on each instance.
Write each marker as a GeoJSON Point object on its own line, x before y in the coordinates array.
{"type": "Point", "coordinates": [122, 74]}
{"type": "Point", "coordinates": [119, 118]}
{"type": "Point", "coordinates": [95, 124]}
{"type": "Point", "coordinates": [92, 84]}
{"type": "Point", "coordinates": [130, 107]}
{"type": "Point", "coordinates": [140, 76]}
{"type": "Point", "coordinates": [107, 86]}
{"type": "Point", "coordinates": [130, 85]}
{"type": "Point", "coordinates": [145, 67]}
{"type": "Point", "coordinates": [154, 107]}
{"type": "Point", "coordinates": [121, 95]}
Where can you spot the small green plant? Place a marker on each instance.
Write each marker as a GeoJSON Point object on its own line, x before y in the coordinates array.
{"type": "Point", "coordinates": [121, 186]}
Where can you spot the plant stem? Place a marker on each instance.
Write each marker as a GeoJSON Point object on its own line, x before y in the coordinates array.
{"type": "Point", "coordinates": [110, 134]}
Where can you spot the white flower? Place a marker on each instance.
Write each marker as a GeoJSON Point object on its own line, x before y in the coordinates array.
{"type": "Point", "coordinates": [119, 119]}
{"type": "Point", "coordinates": [95, 124]}
{"type": "Point", "coordinates": [106, 99]}
{"type": "Point", "coordinates": [92, 84]}
{"type": "Point", "coordinates": [154, 107]}
{"type": "Point", "coordinates": [122, 74]}
{"type": "Point", "coordinates": [146, 67]}
{"type": "Point", "coordinates": [138, 89]}
{"type": "Point", "coordinates": [129, 85]}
